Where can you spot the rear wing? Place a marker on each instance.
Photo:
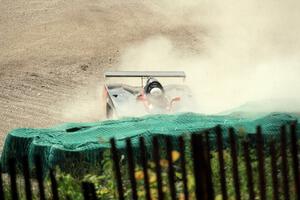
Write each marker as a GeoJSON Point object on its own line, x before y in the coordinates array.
{"type": "Point", "coordinates": [144, 74]}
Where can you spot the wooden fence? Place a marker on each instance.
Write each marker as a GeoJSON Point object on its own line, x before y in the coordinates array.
{"type": "Point", "coordinates": [283, 167]}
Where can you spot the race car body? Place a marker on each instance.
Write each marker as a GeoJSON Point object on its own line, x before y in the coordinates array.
{"type": "Point", "coordinates": [150, 97]}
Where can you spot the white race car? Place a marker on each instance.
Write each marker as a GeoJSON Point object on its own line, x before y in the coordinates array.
{"type": "Point", "coordinates": [150, 97]}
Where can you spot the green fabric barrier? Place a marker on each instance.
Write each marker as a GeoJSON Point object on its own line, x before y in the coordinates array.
{"type": "Point", "coordinates": [79, 145]}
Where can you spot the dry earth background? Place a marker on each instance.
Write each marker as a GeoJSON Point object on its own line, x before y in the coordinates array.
{"type": "Point", "coordinates": [53, 52]}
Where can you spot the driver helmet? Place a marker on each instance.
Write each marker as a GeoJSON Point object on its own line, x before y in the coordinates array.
{"type": "Point", "coordinates": [153, 87]}
{"type": "Point", "coordinates": [156, 92]}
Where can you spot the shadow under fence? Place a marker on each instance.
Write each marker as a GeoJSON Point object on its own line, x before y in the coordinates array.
{"type": "Point", "coordinates": [202, 166]}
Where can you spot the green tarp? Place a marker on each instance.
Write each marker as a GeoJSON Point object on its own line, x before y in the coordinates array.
{"type": "Point", "coordinates": [80, 144]}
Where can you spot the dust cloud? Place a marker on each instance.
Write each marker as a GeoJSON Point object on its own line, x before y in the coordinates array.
{"type": "Point", "coordinates": [246, 51]}
{"type": "Point", "coordinates": [88, 104]}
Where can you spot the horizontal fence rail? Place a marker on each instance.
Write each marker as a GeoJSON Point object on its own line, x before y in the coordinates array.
{"type": "Point", "coordinates": [215, 164]}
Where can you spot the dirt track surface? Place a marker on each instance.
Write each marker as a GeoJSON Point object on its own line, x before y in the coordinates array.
{"type": "Point", "coordinates": [53, 54]}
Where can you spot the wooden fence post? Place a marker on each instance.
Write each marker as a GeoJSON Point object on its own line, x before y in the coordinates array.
{"type": "Point", "coordinates": [54, 188]}
{"type": "Point", "coordinates": [248, 169]}
{"type": "Point", "coordinates": [131, 169]}
{"type": "Point", "coordinates": [156, 158]}
{"type": "Point", "coordinates": [144, 161]}
{"type": "Point", "coordinates": [261, 163]}
{"type": "Point", "coordinates": [221, 162]}
{"type": "Point", "coordinates": [26, 175]}
{"type": "Point", "coordinates": [39, 176]}
{"type": "Point", "coordinates": [200, 168]}
{"type": "Point", "coordinates": [284, 168]}
{"type": "Point", "coordinates": [274, 170]}
{"type": "Point", "coordinates": [1, 184]}
{"type": "Point", "coordinates": [13, 179]}
{"type": "Point", "coordinates": [211, 192]}
{"type": "Point", "coordinates": [116, 161]}
{"type": "Point", "coordinates": [294, 150]}
{"type": "Point", "coordinates": [234, 158]}
{"type": "Point", "coordinates": [171, 173]}
{"type": "Point", "coordinates": [183, 167]}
